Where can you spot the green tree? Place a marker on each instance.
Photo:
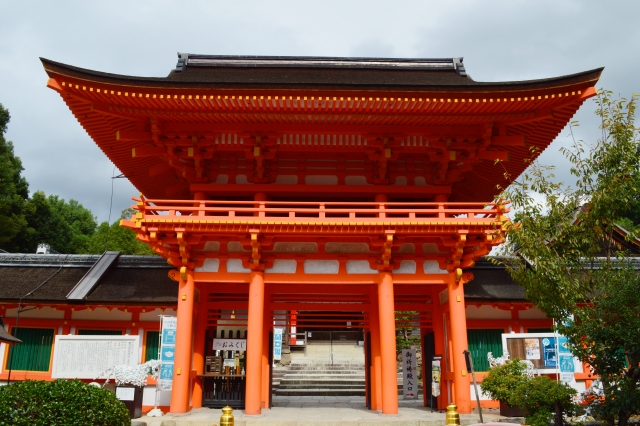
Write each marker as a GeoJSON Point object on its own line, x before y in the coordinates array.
{"type": "Point", "coordinates": [14, 189]}
{"type": "Point", "coordinates": [117, 238]}
{"type": "Point", "coordinates": [65, 226]}
{"type": "Point", "coordinates": [563, 253]}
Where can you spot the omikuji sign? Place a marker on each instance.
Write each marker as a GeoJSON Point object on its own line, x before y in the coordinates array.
{"type": "Point", "coordinates": [230, 345]}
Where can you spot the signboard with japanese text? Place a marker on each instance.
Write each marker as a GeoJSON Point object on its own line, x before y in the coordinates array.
{"type": "Point", "coordinates": [167, 352]}
{"type": "Point", "coordinates": [409, 374]}
{"type": "Point", "coordinates": [230, 345]}
{"type": "Point", "coordinates": [85, 357]}
{"type": "Point", "coordinates": [277, 344]}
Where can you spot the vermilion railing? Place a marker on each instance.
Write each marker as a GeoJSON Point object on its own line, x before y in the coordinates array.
{"type": "Point", "coordinates": [333, 210]}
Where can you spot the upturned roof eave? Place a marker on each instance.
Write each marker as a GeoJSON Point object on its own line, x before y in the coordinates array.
{"type": "Point", "coordinates": [585, 78]}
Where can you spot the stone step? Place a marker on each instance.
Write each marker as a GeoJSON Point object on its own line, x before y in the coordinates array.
{"type": "Point", "coordinates": [320, 392]}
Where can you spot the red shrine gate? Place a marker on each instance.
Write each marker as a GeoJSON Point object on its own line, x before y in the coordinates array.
{"type": "Point", "coordinates": [325, 184]}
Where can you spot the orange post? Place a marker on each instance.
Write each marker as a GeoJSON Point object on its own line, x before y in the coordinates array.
{"type": "Point", "coordinates": [198, 355]}
{"type": "Point", "coordinates": [253, 357]}
{"type": "Point", "coordinates": [266, 328]}
{"type": "Point", "coordinates": [375, 372]}
{"type": "Point", "coordinates": [182, 357]}
{"type": "Point", "coordinates": [386, 312]}
{"type": "Point", "coordinates": [438, 337]}
{"type": "Point", "coordinates": [462, 390]}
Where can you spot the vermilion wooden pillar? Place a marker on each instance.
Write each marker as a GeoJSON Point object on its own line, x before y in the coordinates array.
{"type": "Point", "coordinates": [253, 398]}
{"type": "Point", "coordinates": [386, 312]}
{"type": "Point", "coordinates": [199, 352]}
{"type": "Point", "coordinates": [266, 328]}
{"type": "Point", "coordinates": [462, 390]}
{"type": "Point", "coordinates": [374, 326]}
{"type": "Point", "coordinates": [184, 338]}
{"type": "Point", "coordinates": [438, 337]}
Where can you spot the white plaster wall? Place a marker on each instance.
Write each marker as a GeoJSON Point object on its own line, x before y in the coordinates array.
{"type": "Point", "coordinates": [486, 312]}
{"type": "Point", "coordinates": [151, 315]}
{"type": "Point", "coordinates": [283, 266]}
{"type": "Point", "coordinates": [359, 267]}
{"type": "Point", "coordinates": [209, 265]}
{"type": "Point", "coordinates": [406, 267]}
{"type": "Point", "coordinates": [101, 314]}
{"type": "Point", "coordinates": [321, 266]}
{"type": "Point", "coordinates": [432, 267]}
{"type": "Point", "coordinates": [531, 313]}
{"type": "Point", "coordinates": [235, 265]}
{"type": "Point", "coordinates": [149, 396]}
{"type": "Point", "coordinates": [44, 313]}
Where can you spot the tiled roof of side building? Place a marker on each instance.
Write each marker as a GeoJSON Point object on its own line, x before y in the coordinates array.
{"type": "Point", "coordinates": [132, 280]}
{"type": "Point", "coordinates": [286, 72]}
{"type": "Point", "coordinates": [144, 280]}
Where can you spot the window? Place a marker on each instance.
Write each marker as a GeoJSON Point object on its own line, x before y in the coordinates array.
{"type": "Point", "coordinates": [34, 353]}
{"type": "Point", "coordinates": [481, 342]}
{"type": "Point", "coordinates": [151, 345]}
{"type": "Point", "coordinates": [99, 333]}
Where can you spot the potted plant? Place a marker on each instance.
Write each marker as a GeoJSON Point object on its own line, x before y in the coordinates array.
{"type": "Point", "coordinates": [503, 380]}
{"type": "Point", "coordinates": [130, 381]}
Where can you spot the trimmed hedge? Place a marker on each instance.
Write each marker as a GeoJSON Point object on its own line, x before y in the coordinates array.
{"type": "Point", "coordinates": [58, 403]}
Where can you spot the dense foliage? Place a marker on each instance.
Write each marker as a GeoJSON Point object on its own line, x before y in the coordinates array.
{"type": "Point", "coordinates": [562, 249]}
{"type": "Point", "coordinates": [60, 403]}
{"type": "Point", "coordinates": [538, 397]}
{"type": "Point", "coordinates": [67, 226]}
{"type": "Point", "coordinates": [502, 381]}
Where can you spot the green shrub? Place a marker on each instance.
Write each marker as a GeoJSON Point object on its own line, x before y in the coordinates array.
{"type": "Point", "coordinates": [61, 402]}
{"type": "Point", "coordinates": [503, 380]}
{"type": "Point", "coordinates": [540, 397]}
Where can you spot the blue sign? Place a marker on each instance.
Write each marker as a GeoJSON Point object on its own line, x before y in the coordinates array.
{"type": "Point", "coordinates": [167, 353]}
{"type": "Point", "coordinates": [550, 356]}
{"type": "Point", "coordinates": [169, 337]}
{"type": "Point", "coordinates": [166, 372]}
{"type": "Point", "coordinates": [563, 345]}
{"type": "Point", "coordinates": [566, 364]}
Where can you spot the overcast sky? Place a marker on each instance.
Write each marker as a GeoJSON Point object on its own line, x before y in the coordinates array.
{"type": "Point", "coordinates": [499, 40]}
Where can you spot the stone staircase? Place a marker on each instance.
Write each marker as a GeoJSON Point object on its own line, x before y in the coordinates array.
{"type": "Point", "coordinates": [313, 379]}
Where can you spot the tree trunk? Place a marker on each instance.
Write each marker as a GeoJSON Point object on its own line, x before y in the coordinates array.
{"type": "Point", "coordinates": [558, 416]}
{"type": "Point", "coordinates": [623, 418]}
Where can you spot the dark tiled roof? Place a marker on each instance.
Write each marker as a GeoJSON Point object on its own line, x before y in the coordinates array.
{"type": "Point", "coordinates": [492, 283]}
{"type": "Point", "coordinates": [210, 71]}
{"type": "Point", "coordinates": [5, 336]}
{"type": "Point", "coordinates": [144, 280]}
{"type": "Point", "coordinates": [133, 279]}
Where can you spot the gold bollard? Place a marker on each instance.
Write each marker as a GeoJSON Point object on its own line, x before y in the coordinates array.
{"type": "Point", "coordinates": [453, 417]}
{"type": "Point", "coordinates": [226, 419]}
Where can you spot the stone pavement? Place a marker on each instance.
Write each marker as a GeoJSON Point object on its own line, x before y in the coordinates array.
{"type": "Point", "coordinates": [319, 411]}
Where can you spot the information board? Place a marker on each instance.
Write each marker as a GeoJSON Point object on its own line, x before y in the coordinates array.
{"type": "Point", "coordinates": [85, 357]}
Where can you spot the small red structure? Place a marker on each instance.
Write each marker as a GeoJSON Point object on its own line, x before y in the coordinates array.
{"type": "Point", "coordinates": [335, 185]}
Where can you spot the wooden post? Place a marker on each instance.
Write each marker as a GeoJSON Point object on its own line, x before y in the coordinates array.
{"type": "Point", "coordinates": [267, 325]}
{"type": "Point", "coordinates": [386, 312]}
{"type": "Point", "coordinates": [253, 357]}
{"type": "Point", "coordinates": [375, 372]}
{"type": "Point", "coordinates": [182, 358]}
{"type": "Point", "coordinates": [462, 391]}
{"type": "Point", "coordinates": [199, 351]}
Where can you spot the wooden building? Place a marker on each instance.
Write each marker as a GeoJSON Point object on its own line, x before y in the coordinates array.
{"type": "Point", "coordinates": [278, 184]}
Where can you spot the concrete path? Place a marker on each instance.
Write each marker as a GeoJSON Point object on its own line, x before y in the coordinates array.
{"type": "Point", "coordinates": [319, 411]}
